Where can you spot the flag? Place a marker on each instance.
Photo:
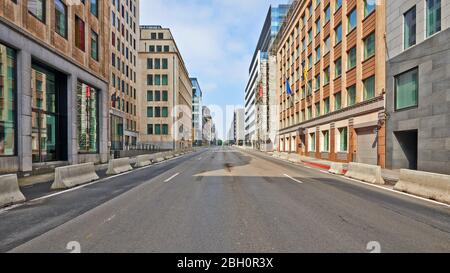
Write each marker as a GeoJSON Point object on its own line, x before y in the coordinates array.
{"type": "Point", "coordinates": [288, 88]}
{"type": "Point", "coordinates": [305, 73]}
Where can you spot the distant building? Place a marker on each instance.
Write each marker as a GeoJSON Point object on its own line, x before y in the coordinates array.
{"type": "Point", "coordinates": [418, 85]}
{"type": "Point", "coordinates": [236, 133]}
{"type": "Point", "coordinates": [54, 76]}
{"type": "Point", "coordinates": [207, 125]}
{"type": "Point", "coordinates": [165, 91]}
{"type": "Point", "coordinates": [197, 113]}
{"type": "Point", "coordinates": [258, 123]}
{"type": "Point", "coordinates": [122, 88]}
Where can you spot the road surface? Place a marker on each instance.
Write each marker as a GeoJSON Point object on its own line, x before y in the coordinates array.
{"type": "Point", "coordinates": [228, 200]}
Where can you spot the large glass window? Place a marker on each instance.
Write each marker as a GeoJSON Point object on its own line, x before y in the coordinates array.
{"type": "Point", "coordinates": [8, 80]}
{"type": "Point", "coordinates": [369, 7]}
{"type": "Point", "coordinates": [410, 28]}
{"type": "Point", "coordinates": [87, 118]}
{"type": "Point", "coordinates": [338, 68]}
{"type": "Point", "coordinates": [337, 101]}
{"type": "Point", "coordinates": [351, 95]}
{"type": "Point", "coordinates": [326, 141]}
{"type": "Point", "coordinates": [94, 7]}
{"type": "Point", "coordinates": [343, 139]}
{"type": "Point", "coordinates": [79, 33]}
{"type": "Point", "coordinates": [352, 20]}
{"type": "Point", "coordinates": [369, 46]}
{"type": "Point", "coordinates": [351, 58]}
{"type": "Point", "coordinates": [312, 142]}
{"type": "Point", "coordinates": [37, 8]}
{"type": "Point", "coordinates": [338, 31]}
{"type": "Point", "coordinates": [94, 45]}
{"type": "Point", "coordinates": [406, 89]}
{"type": "Point", "coordinates": [433, 16]}
{"type": "Point", "coordinates": [61, 18]}
{"type": "Point", "coordinates": [369, 88]}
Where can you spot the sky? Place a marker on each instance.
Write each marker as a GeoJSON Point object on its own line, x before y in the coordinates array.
{"type": "Point", "coordinates": [217, 39]}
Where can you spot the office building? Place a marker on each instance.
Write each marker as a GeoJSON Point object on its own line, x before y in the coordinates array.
{"type": "Point", "coordinates": [418, 85]}
{"type": "Point", "coordinates": [164, 91]}
{"type": "Point", "coordinates": [123, 82]}
{"type": "Point", "coordinates": [54, 74]}
{"type": "Point", "coordinates": [331, 80]}
{"type": "Point", "coordinates": [197, 113]}
{"type": "Point", "coordinates": [257, 85]}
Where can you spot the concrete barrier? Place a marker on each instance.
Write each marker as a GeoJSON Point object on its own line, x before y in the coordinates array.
{"type": "Point", "coordinates": [142, 161]}
{"type": "Point", "coordinates": [70, 176]}
{"type": "Point", "coordinates": [284, 156]}
{"type": "Point", "coordinates": [337, 168]}
{"type": "Point", "coordinates": [424, 184]}
{"type": "Point", "coordinates": [168, 155]}
{"type": "Point", "coordinates": [365, 172]}
{"type": "Point", "coordinates": [117, 166]}
{"type": "Point", "coordinates": [10, 193]}
{"type": "Point", "coordinates": [276, 154]}
{"type": "Point", "coordinates": [294, 158]}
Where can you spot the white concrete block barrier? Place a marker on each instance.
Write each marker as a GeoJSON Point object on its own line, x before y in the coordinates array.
{"type": "Point", "coordinates": [276, 154]}
{"type": "Point", "coordinates": [70, 176]}
{"type": "Point", "coordinates": [294, 158]}
{"type": "Point", "coordinates": [118, 166]}
{"type": "Point", "coordinates": [337, 168]}
{"type": "Point", "coordinates": [10, 193]}
{"type": "Point", "coordinates": [284, 156]}
{"type": "Point", "coordinates": [428, 185]}
{"type": "Point", "coordinates": [143, 161]}
{"type": "Point", "coordinates": [365, 172]}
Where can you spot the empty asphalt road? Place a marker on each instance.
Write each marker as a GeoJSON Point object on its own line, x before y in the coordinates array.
{"type": "Point", "coordinates": [228, 200]}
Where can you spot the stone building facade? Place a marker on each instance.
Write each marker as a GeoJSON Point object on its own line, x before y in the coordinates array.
{"type": "Point", "coordinates": [54, 74]}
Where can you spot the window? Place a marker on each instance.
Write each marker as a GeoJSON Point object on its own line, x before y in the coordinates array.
{"type": "Point", "coordinates": [158, 129]}
{"type": "Point", "coordinates": [369, 46]}
{"type": "Point", "coordinates": [310, 61]}
{"type": "Point", "coordinates": [165, 80]}
{"type": "Point", "coordinates": [338, 31]}
{"type": "Point", "coordinates": [157, 96]}
{"type": "Point", "coordinates": [94, 7]}
{"type": "Point", "coordinates": [327, 45]}
{"type": "Point", "coordinates": [157, 63]}
{"type": "Point", "coordinates": [310, 112]}
{"type": "Point", "coordinates": [149, 79]}
{"type": "Point", "coordinates": [164, 64]}
{"type": "Point", "coordinates": [37, 9]}
{"type": "Point", "coordinates": [157, 79]}
{"type": "Point", "coordinates": [351, 58]}
{"type": "Point", "coordinates": [149, 129]}
{"type": "Point", "coordinates": [326, 106]}
{"type": "Point", "coordinates": [149, 112]}
{"type": "Point", "coordinates": [165, 129]}
{"type": "Point", "coordinates": [149, 63]}
{"type": "Point", "coordinates": [94, 45]}
{"type": "Point", "coordinates": [87, 118]}
{"type": "Point", "coordinates": [79, 33]}
{"type": "Point", "coordinates": [317, 81]}
{"type": "Point", "coordinates": [318, 26]}
{"type": "Point", "coordinates": [149, 95]}
{"type": "Point", "coordinates": [8, 81]}
{"type": "Point", "coordinates": [317, 106]}
{"type": "Point", "coordinates": [433, 17]}
{"type": "Point", "coordinates": [343, 139]}
{"type": "Point", "coordinates": [337, 101]}
{"type": "Point", "coordinates": [369, 88]}
{"type": "Point", "coordinates": [165, 112]}
{"type": "Point", "coordinates": [338, 68]}
{"type": "Point", "coordinates": [352, 20]}
{"type": "Point", "coordinates": [157, 112]}
{"type": "Point", "coordinates": [312, 142]}
{"type": "Point", "coordinates": [338, 4]}
{"type": "Point", "coordinates": [369, 7]}
{"type": "Point", "coordinates": [406, 90]}
{"type": "Point", "coordinates": [317, 54]}
{"type": "Point", "coordinates": [409, 19]}
{"type": "Point", "coordinates": [165, 96]}
{"type": "Point", "coordinates": [326, 141]}
{"type": "Point", "coordinates": [327, 14]}
{"type": "Point", "coordinates": [351, 95]}
{"type": "Point", "coordinates": [326, 76]}
{"type": "Point", "coordinates": [60, 18]}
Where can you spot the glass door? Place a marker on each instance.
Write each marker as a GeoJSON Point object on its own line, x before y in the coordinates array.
{"type": "Point", "coordinates": [45, 117]}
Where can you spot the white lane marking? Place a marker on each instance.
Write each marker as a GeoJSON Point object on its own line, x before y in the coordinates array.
{"type": "Point", "coordinates": [3, 210]}
{"type": "Point", "coordinates": [322, 171]}
{"type": "Point", "coordinates": [172, 177]}
{"type": "Point", "coordinates": [298, 181]}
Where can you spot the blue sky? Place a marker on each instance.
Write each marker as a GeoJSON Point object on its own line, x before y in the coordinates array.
{"type": "Point", "coordinates": [217, 39]}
